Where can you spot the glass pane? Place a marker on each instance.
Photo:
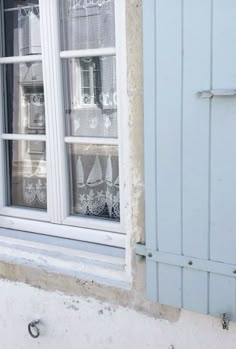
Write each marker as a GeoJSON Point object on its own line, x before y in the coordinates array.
{"type": "Point", "coordinates": [90, 96]}
{"type": "Point", "coordinates": [27, 174]}
{"type": "Point", "coordinates": [22, 27]}
{"type": "Point", "coordinates": [25, 112]}
{"type": "Point", "coordinates": [87, 24]}
{"type": "Point", "coordinates": [94, 181]}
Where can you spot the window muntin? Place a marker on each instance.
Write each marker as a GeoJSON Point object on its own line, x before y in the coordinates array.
{"type": "Point", "coordinates": [22, 28]}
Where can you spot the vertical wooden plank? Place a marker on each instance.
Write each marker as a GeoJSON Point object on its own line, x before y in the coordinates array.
{"type": "Point", "coordinates": [195, 290]}
{"type": "Point", "coordinates": [168, 122]}
{"type": "Point", "coordinates": [170, 285]}
{"type": "Point", "coordinates": [196, 118]}
{"type": "Point", "coordinates": [196, 121]}
{"type": "Point", "coordinates": [149, 56]}
{"type": "Point", "coordinates": [222, 295]}
{"type": "Point", "coordinates": [168, 143]}
{"type": "Point", "coordinates": [152, 280]}
{"type": "Point", "coordinates": [223, 164]}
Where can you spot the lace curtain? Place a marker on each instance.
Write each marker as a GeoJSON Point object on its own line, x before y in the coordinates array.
{"type": "Point", "coordinates": [28, 174]}
{"type": "Point", "coordinates": [89, 24]}
{"type": "Point", "coordinates": [94, 170]}
{"type": "Point", "coordinates": [34, 183]}
{"type": "Point", "coordinates": [95, 185]}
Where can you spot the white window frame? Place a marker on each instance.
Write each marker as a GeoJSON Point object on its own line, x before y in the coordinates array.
{"type": "Point", "coordinates": [57, 220]}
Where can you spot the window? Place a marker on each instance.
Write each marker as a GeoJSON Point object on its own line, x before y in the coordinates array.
{"type": "Point", "coordinates": [61, 117]}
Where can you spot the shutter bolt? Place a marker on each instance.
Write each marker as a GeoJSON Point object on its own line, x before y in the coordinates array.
{"type": "Point", "coordinates": [150, 255]}
{"type": "Point", "coordinates": [190, 263]}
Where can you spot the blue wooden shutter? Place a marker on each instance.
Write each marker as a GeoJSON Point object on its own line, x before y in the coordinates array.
{"type": "Point", "coordinates": [190, 154]}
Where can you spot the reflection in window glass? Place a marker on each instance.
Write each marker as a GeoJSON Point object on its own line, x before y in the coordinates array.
{"type": "Point", "coordinates": [87, 24]}
{"type": "Point", "coordinates": [94, 181]}
{"type": "Point", "coordinates": [90, 96]}
{"type": "Point", "coordinates": [25, 112]}
{"type": "Point", "coordinates": [27, 174]}
{"type": "Point", "coordinates": [22, 27]}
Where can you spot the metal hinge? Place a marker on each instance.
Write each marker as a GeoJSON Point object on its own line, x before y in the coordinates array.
{"type": "Point", "coordinates": [141, 249]}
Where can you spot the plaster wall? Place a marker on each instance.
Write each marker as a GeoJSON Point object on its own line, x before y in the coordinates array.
{"type": "Point", "coordinates": [81, 322]}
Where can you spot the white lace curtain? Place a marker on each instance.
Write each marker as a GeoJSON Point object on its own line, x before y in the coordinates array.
{"type": "Point", "coordinates": [34, 182]}
{"type": "Point", "coordinates": [97, 193]}
{"type": "Point", "coordinates": [89, 24]}
{"type": "Point", "coordinates": [95, 190]}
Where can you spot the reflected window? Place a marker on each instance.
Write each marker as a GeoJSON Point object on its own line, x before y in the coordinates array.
{"type": "Point", "coordinates": [22, 28]}
{"type": "Point", "coordinates": [25, 110]}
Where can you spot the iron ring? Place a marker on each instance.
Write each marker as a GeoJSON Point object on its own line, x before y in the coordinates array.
{"type": "Point", "coordinates": [33, 329]}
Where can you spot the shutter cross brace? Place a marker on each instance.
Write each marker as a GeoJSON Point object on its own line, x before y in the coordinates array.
{"type": "Point", "coordinates": [186, 261]}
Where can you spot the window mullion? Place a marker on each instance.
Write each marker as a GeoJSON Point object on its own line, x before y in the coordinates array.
{"type": "Point", "coordinates": [122, 104]}
{"type": "Point", "coordinates": [56, 160]}
{"type": "Point", "coordinates": [2, 160]}
{"type": "Point", "coordinates": [2, 153]}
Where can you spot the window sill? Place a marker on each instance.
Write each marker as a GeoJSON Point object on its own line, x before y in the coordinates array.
{"type": "Point", "coordinates": [85, 261]}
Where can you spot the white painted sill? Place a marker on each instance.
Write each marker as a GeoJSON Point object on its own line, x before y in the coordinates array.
{"type": "Point", "coordinates": [85, 261]}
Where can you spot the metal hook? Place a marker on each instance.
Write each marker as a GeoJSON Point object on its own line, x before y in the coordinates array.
{"type": "Point", "coordinates": [33, 329]}
{"type": "Point", "coordinates": [225, 321]}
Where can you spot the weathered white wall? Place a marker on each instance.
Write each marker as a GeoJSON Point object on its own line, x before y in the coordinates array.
{"type": "Point", "coordinates": [86, 323]}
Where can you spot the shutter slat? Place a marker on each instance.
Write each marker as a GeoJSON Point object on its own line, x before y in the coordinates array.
{"type": "Point", "coordinates": [168, 123]}
{"type": "Point", "coordinates": [196, 120]}
{"type": "Point", "coordinates": [195, 290]}
{"type": "Point", "coordinates": [152, 280]}
{"type": "Point", "coordinates": [222, 295]}
{"type": "Point", "coordinates": [223, 136]}
{"type": "Point", "coordinates": [170, 285]}
{"type": "Point", "coordinates": [150, 119]}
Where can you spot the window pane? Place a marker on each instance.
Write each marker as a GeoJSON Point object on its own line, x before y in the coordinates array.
{"type": "Point", "coordinates": [27, 174]}
{"type": "Point", "coordinates": [22, 27]}
{"type": "Point", "coordinates": [87, 24]}
{"type": "Point", "coordinates": [24, 99]}
{"type": "Point", "coordinates": [94, 181]}
{"type": "Point", "coordinates": [90, 96]}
